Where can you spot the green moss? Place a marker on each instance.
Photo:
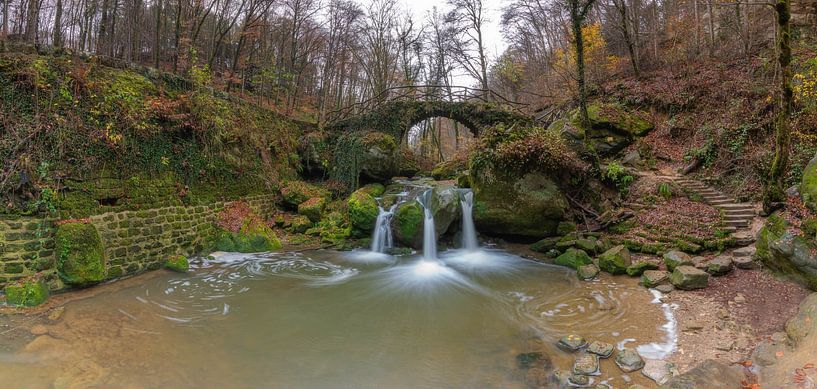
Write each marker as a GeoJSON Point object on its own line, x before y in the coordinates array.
{"type": "Point", "coordinates": [312, 208]}
{"type": "Point", "coordinates": [573, 258]}
{"type": "Point", "coordinates": [616, 260]}
{"type": "Point", "coordinates": [362, 209]}
{"type": "Point", "coordinates": [80, 255]}
{"type": "Point", "coordinates": [808, 185]}
{"type": "Point", "coordinates": [408, 220]}
{"type": "Point", "coordinates": [296, 192]}
{"type": "Point", "coordinates": [253, 237]}
{"type": "Point", "coordinates": [300, 224]}
{"type": "Point", "coordinates": [26, 293]}
{"type": "Point", "coordinates": [177, 263]}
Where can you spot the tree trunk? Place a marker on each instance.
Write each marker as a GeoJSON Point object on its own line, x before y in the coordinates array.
{"type": "Point", "coordinates": [697, 27]}
{"type": "Point", "coordinates": [32, 21]}
{"type": "Point", "coordinates": [625, 30]}
{"type": "Point", "coordinates": [157, 43]}
{"type": "Point", "coordinates": [775, 191]}
{"type": "Point", "coordinates": [579, 42]}
{"type": "Point", "coordinates": [177, 36]}
{"type": "Point", "coordinates": [101, 39]}
{"type": "Point", "coordinates": [5, 31]}
{"type": "Point", "coordinates": [57, 24]}
{"type": "Point", "coordinates": [710, 10]}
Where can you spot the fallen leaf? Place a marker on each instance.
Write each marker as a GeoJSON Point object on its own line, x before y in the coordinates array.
{"type": "Point", "coordinates": [779, 354]}
{"type": "Point", "coordinates": [808, 366]}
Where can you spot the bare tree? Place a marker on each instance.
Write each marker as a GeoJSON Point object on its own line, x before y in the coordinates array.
{"type": "Point", "coordinates": [468, 20]}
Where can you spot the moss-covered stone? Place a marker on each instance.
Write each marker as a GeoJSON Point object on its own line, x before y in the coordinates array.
{"type": "Point", "coordinates": [639, 267]}
{"type": "Point", "coordinates": [253, 237]}
{"type": "Point", "coordinates": [587, 272]}
{"type": "Point", "coordinates": [675, 258]}
{"type": "Point", "coordinates": [299, 224]}
{"type": "Point", "coordinates": [312, 208]}
{"type": "Point", "coordinates": [573, 258]}
{"type": "Point", "coordinates": [80, 255]}
{"type": "Point", "coordinates": [565, 227]}
{"type": "Point", "coordinates": [448, 170]}
{"type": "Point", "coordinates": [689, 278]}
{"type": "Point", "coordinates": [616, 260]}
{"type": "Point", "coordinates": [177, 263]}
{"type": "Point", "coordinates": [296, 192]}
{"type": "Point", "coordinates": [408, 223]}
{"type": "Point", "coordinates": [26, 293]}
{"type": "Point", "coordinates": [363, 209]}
{"type": "Point", "coordinates": [786, 253]}
{"type": "Point", "coordinates": [612, 127]}
{"type": "Point", "coordinates": [544, 245]}
{"type": "Point", "coordinates": [808, 185]}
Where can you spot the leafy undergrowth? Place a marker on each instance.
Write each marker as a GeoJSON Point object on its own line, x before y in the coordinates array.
{"type": "Point", "coordinates": [674, 223]}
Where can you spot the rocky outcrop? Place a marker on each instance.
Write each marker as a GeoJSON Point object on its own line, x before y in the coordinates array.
{"type": "Point", "coordinates": [363, 207]}
{"type": "Point", "coordinates": [531, 206]}
{"type": "Point", "coordinates": [787, 253]}
{"type": "Point", "coordinates": [612, 127]}
{"type": "Point", "coordinates": [409, 216]}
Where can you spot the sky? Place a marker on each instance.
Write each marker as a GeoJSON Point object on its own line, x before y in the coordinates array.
{"type": "Point", "coordinates": [494, 43]}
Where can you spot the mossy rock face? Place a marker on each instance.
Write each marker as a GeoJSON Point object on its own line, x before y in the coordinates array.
{"type": "Point", "coordinates": [787, 254]}
{"type": "Point", "coordinates": [379, 159]}
{"type": "Point", "coordinates": [363, 209]}
{"type": "Point", "coordinates": [300, 224]}
{"type": "Point", "coordinates": [808, 186]}
{"type": "Point", "coordinates": [410, 216]}
{"type": "Point", "coordinates": [573, 258]}
{"type": "Point", "coordinates": [253, 237]}
{"type": "Point", "coordinates": [531, 206]}
{"type": "Point", "coordinates": [80, 255]}
{"type": "Point", "coordinates": [612, 127]}
{"type": "Point", "coordinates": [312, 208]}
{"type": "Point", "coordinates": [448, 170]}
{"type": "Point", "coordinates": [408, 224]}
{"type": "Point", "coordinates": [26, 293]}
{"type": "Point", "coordinates": [545, 245]}
{"type": "Point", "coordinates": [296, 192]}
{"type": "Point", "coordinates": [177, 263]}
{"type": "Point", "coordinates": [616, 260]}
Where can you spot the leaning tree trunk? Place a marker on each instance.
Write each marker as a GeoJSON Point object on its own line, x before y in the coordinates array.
{"type": "Point", "coordinates": [775, 193]}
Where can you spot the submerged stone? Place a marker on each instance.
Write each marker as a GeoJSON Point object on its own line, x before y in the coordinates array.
{"type": "Point", "coordinates": [579, 379]}
{"type": "Point", "coordinates": [616, 260]}
{"type": "Point", "coordinates": [628, 360]}
{"type": "Point", "coordinates": [658, 371]}
{"type": "Point", "coordinates": [80, 258]}
{"type": "Point", "coordinates": [586, 364]}
{"type": "Point", "coordinates": [587, 272]}
{"type": "Point", "coordinates": [676, 258]}
{"type": "Point", "coordinates": [653, 278]}
{"type": "Point", "coordinates": [602, 349]}
{"type": "Point", "coordinates": [177, 263]}
{"type": "Point", "coordinates": [572, 342]}
{"type": "Point", "coordinates": [689, 277]}
{"type": "Point", "coordinates": [573, 258]}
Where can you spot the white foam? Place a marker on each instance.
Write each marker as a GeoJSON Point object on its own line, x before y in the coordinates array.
{"type": "Point", "coordinates": [665, 349]}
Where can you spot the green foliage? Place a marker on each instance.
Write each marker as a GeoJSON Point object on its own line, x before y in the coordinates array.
{"type": "Point", "coordinates": [26, 293]}
{"type": "Point", "coordinates": [706, 153]}
{"type": "Point", "coordinates": [665, 190]}
{"type": "Point", "coordinates": [177, 263]}
{"type": "Point", "coordinates": [346, 159]}
{"type": "Point", "coordinates": [617, 175]}
{"type": "Point", "coordinates": [80, 255]}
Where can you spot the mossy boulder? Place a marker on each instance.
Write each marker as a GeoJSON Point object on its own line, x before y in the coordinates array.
{"type": "Point", "coordinates": [531, 206]}
{"type": "Point", "coordinates": [300, 224]}
{"type": "Point", "coordinates": [545, 245]}
{"type": "Point", "coordinates": [787, 253]}
{"type": "Point", "coordinates": [638, 268]}
{"type": "Point", "coordinates": [80, 255]}
{"type": "Point", "coordinates": [177, 263]}
{"type": "Point", "coordinates": [675, 258]}
{"type": "Point", "coordinates": [573, 258]}
{"type": "Point", "coordinates": [294, 193]}
{"type": "Point", "coordinates": [408, 224]}
{"type": "Point", "coordinates": [363, 209]}
{"type": "Point", "coordinates": [808, 185]}
{"type": "Point", "coordinates": [616, 260]}
{"type": "Point", "coordinates": [612, 127]}
{"type": "Point", "coordinates": [587, 272]}
{"type": "Point", "coordinates": [253, 237]}
{"type": "Point", "coordinates": [312, 208]}
{"type": "Point", "coordinates": [26, 293]}
{"type": "Point", "coordinates": [448, 170]}
{"type": "Point", "coordinates": [689, 278]}
{"type": "Point", "coordinates": [653, 278]}
{"type": "Point", "coordinates": [380, 156]}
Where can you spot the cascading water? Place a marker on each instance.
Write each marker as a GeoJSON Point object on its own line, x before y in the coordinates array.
{"type": "Point", "coordinates": [469, 232]}
{"type": "Point", "coordinates": [429, 232]}
{"type": "Point", "coordinates": [382, 236]}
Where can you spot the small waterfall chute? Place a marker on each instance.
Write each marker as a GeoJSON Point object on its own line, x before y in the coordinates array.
{"type": "Point", "coordinates": [382, 238]}
{"type": "Point", "coordinates": [469, 232]}
{"type": "Point", "coordinates": [429, 231]}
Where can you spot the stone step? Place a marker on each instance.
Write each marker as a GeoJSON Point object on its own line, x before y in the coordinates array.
{"type": "Point", "coordinates": [737, 224]}
{"type": "Point", "coordinates": [747, 215]}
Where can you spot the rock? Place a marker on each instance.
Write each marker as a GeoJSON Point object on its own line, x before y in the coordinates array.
{"type": "Point", "coordinates": [293, 193]}
{"type": "Point", "coordinates": [616, 260]}
{"type": "Point", "coordinates": [804, 322]}
{"type": "Point", "coordinates": [530, 360]}
{"type": "Point", "coordinates": [719, 266]}
{"type": "Point", "coordinates": [573, 258]}
{"type": "Point", "coordinates": [531, 206]}
{"type": "Point", "coordinates": [448, 170]}
{"type": "Point", "coordinates": [572, 343]}
{"type": "Point", "coordinates": [658, 371]}
{"type": "Point", "coordinates": [628, 360]}
{"type": "Point", "coordinates": [637, 386]}
{"type": "Point", "coordinates": [612, 128]}
{"type": "Point", "coordinates": [676, 258]}
{"type": "Point", "coordinates": [689, 278]}
{"type": "Point", "coordinates": [808, 185]}
{"type": "Point", "coordinates": [363, 209]}
{"type": "Point", "coordinates": [633, 158]}
{"type": "Point", "coordinates": [28, 292]}
{"type": "Point", "coordinates": [380, 159]}
{"type": "Point", "coordinates": [254, 236]}
{"type": "Point", "coordinates": [693, 326]}
{"type": "Point", "coordinates": [725, 345]}
{"type": "Point", "coordinates": [603, 350]}
{"type": "Point", "coordinates": [767, 353]}
{"type": "Point", "coordinates": [299, 224]}
{"type": "Point", "coordinates": [699, 263]}
{"type": "Point", "coordinates": [588, 245]}
{"type": "Point", "coordinates": [545, 245]}
{"type": "Point", "coordinates": [80, 255]}
{"type": "Point", "coordinates": [565, 227]}
{"type": "Point", "coordinates": [587, 272]}
{"type": "Point", "coordinates": [665, 288]}
{"type": "Point", "coordinates": [312, 208]}
{"type": "Point", "coordinates": [740, 298]}
{"type": "Point", "coordinates": [786, 253]}
{"type": "Point", "coordinates": [177, 263]}
{"type": "Point", "coordinates": [707, 375]}
{"type": "Point", "coordinates": [746, 263]}
{"type": "Point", "coordinates": [579, 379]}
{"type": "Point", "coordinates": [747, 251]}
{"type": "Point", "coordinates": [638, 268]}
{"type": "Point", "coordinates": [56, 313]}
{"type": "Point", "coordinates": [586, 364]}
{"type": "Point", "coordinates": [409, 217]}
{"type": "Point", "coordinates": [653, 278]}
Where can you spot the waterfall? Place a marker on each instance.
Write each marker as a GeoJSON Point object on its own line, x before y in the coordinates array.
{"type": "Point", "coordinates": [382, 237]}
{"type": "Point", "coordinates": [429, 233]}
{"type": "Point", "coordinates": [469, 233]}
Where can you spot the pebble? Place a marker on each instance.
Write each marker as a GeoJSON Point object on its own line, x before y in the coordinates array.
{"type": "Point", "coordinates": [723, 313]}
{"type": "Point", "coordinates": [740, 299]}
{"type": "Point", "coordinates": [56, 313]}
{"type": "Point", "coordinates": [725, 345]}
{"type": "Point", "coordinates": [587, 364]}
{"type": "Point", "coordinates": [601, 349]}
{"type": "Point", "coordinates": [693, 326]}
{"type": "Point", "coordinates": [628, 360]}
{"type": "Point", "coordinates": [578, 379]}
{"type": "Point", "coordinates": [572, 342]}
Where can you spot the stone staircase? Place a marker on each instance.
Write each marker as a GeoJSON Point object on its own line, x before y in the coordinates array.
{"type": "Point", "coordinates": [737, 216]}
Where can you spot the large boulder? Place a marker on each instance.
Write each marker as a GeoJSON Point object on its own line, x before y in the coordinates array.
{"type": "Point", "coordinates": [363, 207]}
{"type": "Point", "coordinates": [786, 253]}
{"type": "Point", "coordinates": [531, 206]}
{"type": "Point", "coordinates": [677, 258]}
{"type": "Point", "coordinates": [573, 258]}
{"type": "Point", "coordinates": [616, 260]}
{"type": "Point", "coordinates": [253, 237]}
{"type": "Point", "coordinates": [612, 128]}
{"type": "Point", "coordinates": [80, 255]}
{"type": "Point", "coordinates": [379, 159]}
{"type": "Point", "coordinates": [312, 208]}
{"type": "Point", "coordinates": [808, 186]}
{"type": "Point", "coordinates": [410, 216]}
{"type": "Point", "coordinates": [689, 277]}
